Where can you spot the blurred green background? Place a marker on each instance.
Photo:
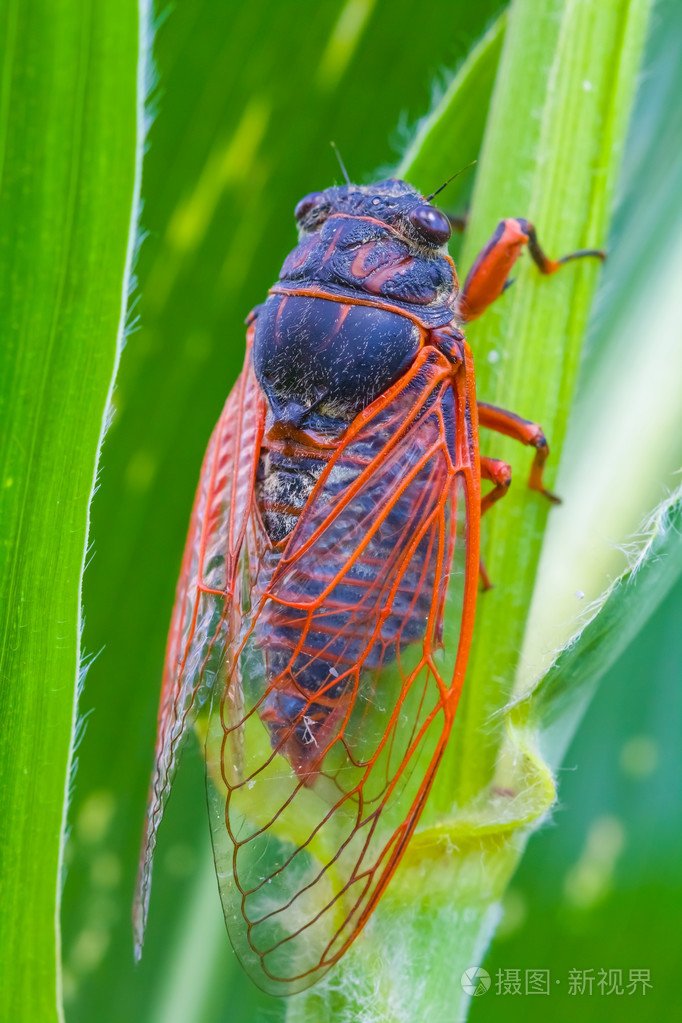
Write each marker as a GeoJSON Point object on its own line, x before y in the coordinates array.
{"type": "Point", "coordinates": [247, 101]}
{"type": "Point", "coordinates": [600, 886]}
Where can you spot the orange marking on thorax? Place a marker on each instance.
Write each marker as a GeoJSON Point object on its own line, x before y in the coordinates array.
{"type": "Point", "coordinates": [345, 309]}
{"type": "Point", "coordinates": [358, 267]}
{"type": "Point", "coordinates": [332, 245]}
{"type": "Point", "coordinates": [378, 278]}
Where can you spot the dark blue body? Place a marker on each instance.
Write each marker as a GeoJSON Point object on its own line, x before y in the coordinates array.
{"type": "Point", "coordinates": [355, 302]}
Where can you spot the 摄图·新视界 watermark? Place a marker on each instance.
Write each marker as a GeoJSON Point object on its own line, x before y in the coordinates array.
{"type": "Point", "coordinates": [598, 981]}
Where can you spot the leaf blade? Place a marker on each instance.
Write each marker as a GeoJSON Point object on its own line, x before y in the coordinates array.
{"type": "Point", "coordinates": [68, 170]}
{"type": "Point", "coordinates": [622, 611]}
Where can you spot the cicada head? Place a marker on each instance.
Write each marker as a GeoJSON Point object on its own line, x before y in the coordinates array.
{"type": "Point", "coordinates": [392, 202]}
{"type": "Point", "coordinates": [379, 242]}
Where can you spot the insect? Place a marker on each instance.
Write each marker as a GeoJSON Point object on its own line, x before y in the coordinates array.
{"type": "Point", "coordinates": [326, 601]}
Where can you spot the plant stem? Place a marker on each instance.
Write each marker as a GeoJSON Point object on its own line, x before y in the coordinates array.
{"type": "Point", "coordinates": [551, 152]}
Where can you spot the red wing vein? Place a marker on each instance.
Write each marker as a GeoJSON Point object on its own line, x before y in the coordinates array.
{"type": "Point", "coordinates": [344, 709]}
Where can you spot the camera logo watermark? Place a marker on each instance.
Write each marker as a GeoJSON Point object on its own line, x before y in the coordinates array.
{"type": "Point", "coordinates": [475, 981]}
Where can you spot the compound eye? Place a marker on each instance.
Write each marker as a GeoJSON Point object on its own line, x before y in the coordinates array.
{"type": "Point", "coordinates": [307, 203]}
{"type": "Point", "coordinates": [431, 224]}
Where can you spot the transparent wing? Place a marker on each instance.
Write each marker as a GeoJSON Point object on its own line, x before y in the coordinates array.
{"type": "Point", "coordinates": [345, 694]}
{"type": "Point", "coordinates": [207, 611]}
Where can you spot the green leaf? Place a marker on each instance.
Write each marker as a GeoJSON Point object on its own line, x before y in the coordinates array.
{"type": "Point", "coordinates": [67, 165]}
{"type": "Point", "coordinates": [615, 619]}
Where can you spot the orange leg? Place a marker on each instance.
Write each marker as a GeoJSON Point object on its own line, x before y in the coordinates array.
{"type": "Point", "coordinates": [501, 421]}
{"type": "Point", "coordinates": [499, 473]}
{"type": "Point", "coordinates": [489, 275]}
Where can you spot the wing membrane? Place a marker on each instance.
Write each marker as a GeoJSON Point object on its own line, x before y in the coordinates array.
{"type": "Point", "coordinates": [345, 693]}
{"type": "Point", "coordinates": [207, 610]}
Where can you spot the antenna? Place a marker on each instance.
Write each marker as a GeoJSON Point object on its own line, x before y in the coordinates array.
{"type": "Point", "coordinates": [341, 163]}
{"type": "Point", "coordinates": [456, 175]}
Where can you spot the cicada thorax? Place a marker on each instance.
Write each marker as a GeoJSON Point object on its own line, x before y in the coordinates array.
{"type": "Point", "coordinates": [336, 332]}
{"type": "Point", "coordinates": [366, 256]}
{"type": "Point", "coordinates": [354, 303]}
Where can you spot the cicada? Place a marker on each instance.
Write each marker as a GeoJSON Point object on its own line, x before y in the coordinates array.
{"type": "Point", "coordinates": [326, 601]}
